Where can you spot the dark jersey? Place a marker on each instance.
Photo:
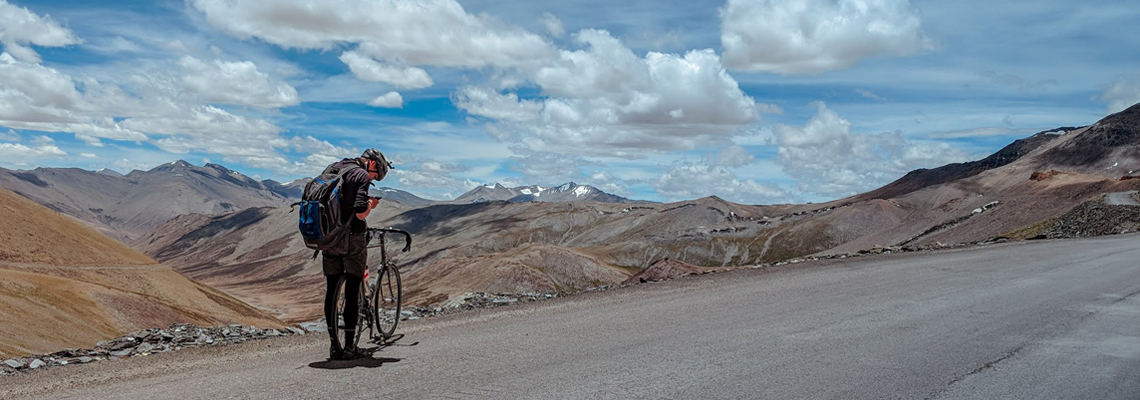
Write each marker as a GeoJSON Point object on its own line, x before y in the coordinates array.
{"type": "Point", "coordinates": [353, 195]}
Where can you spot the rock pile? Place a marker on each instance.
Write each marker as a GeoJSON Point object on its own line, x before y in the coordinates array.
{"type": "Point", "coordinates": [1094, 218]}
{"type": "Point", "coordinates": [146, 342]}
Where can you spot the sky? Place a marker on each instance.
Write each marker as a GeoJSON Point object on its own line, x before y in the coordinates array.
{"type": "Point", "coordinates": [754, 101]}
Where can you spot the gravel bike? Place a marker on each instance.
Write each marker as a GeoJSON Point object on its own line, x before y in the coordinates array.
{"type": "Point", "coordinates": [379, 300]}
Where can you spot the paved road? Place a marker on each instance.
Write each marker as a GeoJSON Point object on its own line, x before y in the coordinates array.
{"type": "Point", "coordinates": [1121, 199]}
{"type": "Point", "coordinates": [1038, 320]}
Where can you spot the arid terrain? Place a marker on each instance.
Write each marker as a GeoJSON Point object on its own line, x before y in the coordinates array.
{"type": "Point", "coordinates": [1027, 190]}
{"type": "Point", "coordinates": [542, 240]}
{"type": "Point", "coordinates": [63, 284]}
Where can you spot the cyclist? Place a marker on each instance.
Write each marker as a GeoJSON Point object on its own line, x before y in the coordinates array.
{"type": "Point", "coordinates": [349, 265]}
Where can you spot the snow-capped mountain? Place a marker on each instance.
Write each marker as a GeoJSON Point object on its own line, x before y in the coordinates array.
{"type": "Point", "coordinates": [569, 192]}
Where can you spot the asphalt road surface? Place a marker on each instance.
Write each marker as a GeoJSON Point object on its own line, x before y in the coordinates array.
{"type": "Point", "coordinates": [1036, 320]}
{"type": "Point", "coordinates": [1121, 199]}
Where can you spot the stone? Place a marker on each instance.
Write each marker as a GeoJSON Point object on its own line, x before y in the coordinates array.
{"type": "Point", "coordinates": [145, 348]}
{"type": "Point", "coordinates": [84, 360]}
{"type": "Point", "coordinates": [314, 327]}
{"type": "Point", "coordinates": [36, 364]}
{"type": "Point", "coordinates": [15, 364]}
{"type": "Point", "coordinates": [121, 353]}
{"type": "Point", "coordinates": [295, 331]}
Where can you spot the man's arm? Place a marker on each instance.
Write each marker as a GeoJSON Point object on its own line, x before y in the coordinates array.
{"type": "Point", "coordinates": [372, 202]}
{"type": "Point", "coordinates": [362, 204]}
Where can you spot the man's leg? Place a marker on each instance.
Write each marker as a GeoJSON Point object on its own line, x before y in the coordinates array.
{"type": "Point", "coordinates": [333, 282]}
{"type": "Point", "coordinates": [351, 310]}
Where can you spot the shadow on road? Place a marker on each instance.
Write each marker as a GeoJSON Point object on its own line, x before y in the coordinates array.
{"type": "Point", "coordinates": [368, 362]}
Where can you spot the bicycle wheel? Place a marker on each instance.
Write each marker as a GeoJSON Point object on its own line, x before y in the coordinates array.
{"type": "Point", "coordinates": [360, 319]}
{"type": "Point", "coordinates": [386, 300]}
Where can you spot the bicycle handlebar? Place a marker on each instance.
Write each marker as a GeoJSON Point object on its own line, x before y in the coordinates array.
{"type": "Point", "coordinates": [374, 232]}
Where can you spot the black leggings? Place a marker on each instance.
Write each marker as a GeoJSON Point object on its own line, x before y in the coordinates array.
{"type": "Point", "coordinates": [351, 300]}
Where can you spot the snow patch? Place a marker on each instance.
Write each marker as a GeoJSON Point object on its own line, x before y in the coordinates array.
{"type": "Point", "coordinates": [581, 191]}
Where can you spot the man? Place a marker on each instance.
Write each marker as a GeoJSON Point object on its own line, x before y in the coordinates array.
{"type": "Point", "coordinates": [349, 265]}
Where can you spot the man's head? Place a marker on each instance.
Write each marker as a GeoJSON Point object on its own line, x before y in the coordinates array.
{"type": "Point", "coordinates": [375, 163]}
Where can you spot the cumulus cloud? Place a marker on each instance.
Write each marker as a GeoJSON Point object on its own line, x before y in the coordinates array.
{"type": "Point", "coordinates": [827, 159]}
{"type": "Point", "coordinates": [35, 97]}
{"type": "Point", "coordinates": [606, 101]}
{"type": "Point", "coordinates": [550, 168]}
{"type": "Point", "coordinates": [388, 100]}
{"type": "Point", "coordinates": [1124, 92]}
{"type": "Point", "coordinates": [432, 177]}
{"type": "Point", "coordinates": [238, 83]}
{"type": "Point", "coordinates": [553, 25]}
{"type": "Point", "coordinates": [687, 180]}
{"type": "Point", "coordinates": [20, 28]}
{"type": "Point", "coordinates": [19, 154]}
{"type": "Point", "coordinates": [431, 32]}
{"type": "Point", "coordinates": [812, 36]}
{"type": "Point", "coordinates": [369, 70]}
{"type": "Point", "coordinates": [732, 156]}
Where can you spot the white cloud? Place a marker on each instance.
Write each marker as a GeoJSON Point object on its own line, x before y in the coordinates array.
{"type": "Point", "coordinates": [553, 25]}
{"type": "Point", "coordinates": [126, 165]}
{"type": "Point", "coordinates": [10, 136]}
{"type": "Point", "coordinates": [434, 178]}
{"type": "Point", "coordinates": [405, 32]}
{"type": "Point", "coordinates": [550, 168]}
{"type": "Point", "coordinates": [687, 180]}
{"type": "Point", "coordinates": [15, 152]}
{"type": "Point", "coordinates": [981, 132]}
{"type": "Point", "coordinates": [768, 108]}
{"type": "Point", "coordinates": [388, 100]}
{"type": "Point", "coordinates": [827, 159]}
{"type": "Point", "coordinates": [238, 83]}
{"type": "Point", "coordinates": [606, 101]}
{"type": "Point", "coordinates": [812, 36]}
{"type": "Point", "coordinates": [1124, 92]}
{"type": "Point", "coordinates": [369, 70]}
{"type": "Point", "coordinates": [35, 97]}
{"type": "Point", "coordinates": [20, 28]}
{"type": "Point", "coordinates": [733, 156]}
{"type": "Point", "coordinates": [88, 155]}
{"type": "Point", "coordinates": [870, 95]}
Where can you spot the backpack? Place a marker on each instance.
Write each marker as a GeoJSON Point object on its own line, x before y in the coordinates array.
{"type": "Point", "coordinates": [320, 221]}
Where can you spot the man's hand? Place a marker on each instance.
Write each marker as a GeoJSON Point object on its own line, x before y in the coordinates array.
{"type": "Point", "coordinates": [372, 203]}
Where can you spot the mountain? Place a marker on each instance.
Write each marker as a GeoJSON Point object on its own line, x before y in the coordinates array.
{"type": "Point", "coordinates": [401, 197]}
{"type": "Point", "coordinates": [480, 244]}
{"type": "Point", "coordinates": [569, 192]}
{"type": "Point", "coordinates": [126, 207]}
{"type": "Point", "coordinates": [63, 284]}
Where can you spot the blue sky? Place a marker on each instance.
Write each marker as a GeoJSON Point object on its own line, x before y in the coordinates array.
{"type": "Point", "coordinates": [751, 100]}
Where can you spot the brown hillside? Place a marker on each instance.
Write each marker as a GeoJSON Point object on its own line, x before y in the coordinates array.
{"type": "Point", "coordinates": [64, 285]}
{"type": "Point", "coordinates": [44, 236]}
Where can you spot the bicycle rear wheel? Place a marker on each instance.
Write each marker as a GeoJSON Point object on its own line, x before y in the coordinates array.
{"type": "Point", "coordinates": [386, 300]}
{"type": "Point", "coordinates": [361, 319]}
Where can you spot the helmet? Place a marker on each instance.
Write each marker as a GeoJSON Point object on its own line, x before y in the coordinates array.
{"type": "Point", "coordinates": [378, 157]}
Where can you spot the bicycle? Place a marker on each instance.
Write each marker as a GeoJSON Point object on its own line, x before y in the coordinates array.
{"type": "Point", "coordinates": [379, 301]}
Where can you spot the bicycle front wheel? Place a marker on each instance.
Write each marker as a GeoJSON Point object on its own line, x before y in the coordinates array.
{"type": "Point", "coordinates": [386, 300]}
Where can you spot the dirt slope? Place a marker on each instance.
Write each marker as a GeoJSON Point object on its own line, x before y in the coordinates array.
{"type": "Point", "coordinates": [63, 284]}
{"type": "Point", "coordinates": [128, 206]}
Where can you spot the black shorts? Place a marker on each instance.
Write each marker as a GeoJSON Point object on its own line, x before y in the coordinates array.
{"type": "Point", "coordinates": [354, 260]}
